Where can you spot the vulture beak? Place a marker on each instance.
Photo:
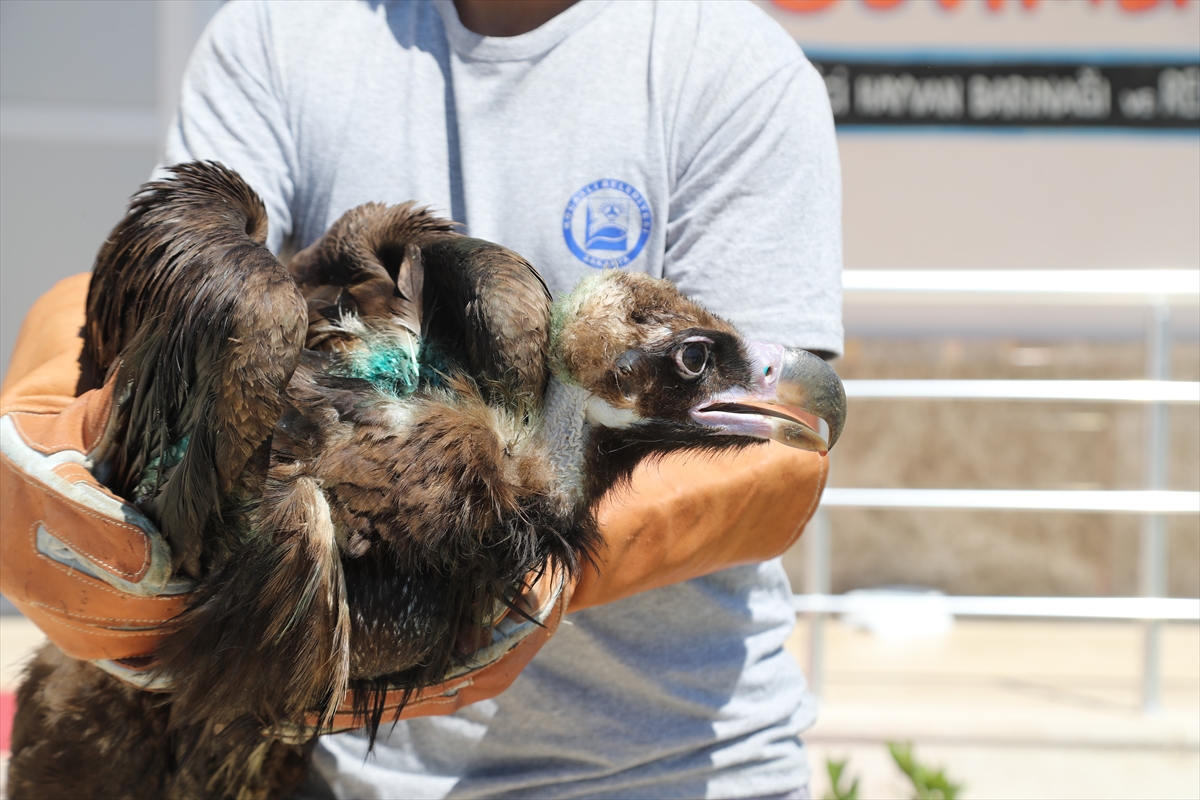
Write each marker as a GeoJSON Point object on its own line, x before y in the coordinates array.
{"type": "Point", "coordinates": [798, 400]}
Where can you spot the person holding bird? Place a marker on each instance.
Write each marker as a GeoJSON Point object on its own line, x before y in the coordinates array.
{"type": "Point", "coordinates": [691, 142]}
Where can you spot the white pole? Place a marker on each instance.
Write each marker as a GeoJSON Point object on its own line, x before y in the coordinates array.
{"type": "Point", "coordinates": [1152, 556]}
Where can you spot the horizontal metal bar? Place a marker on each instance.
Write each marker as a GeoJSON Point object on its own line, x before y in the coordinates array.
{"type": "Point", "coordinates": [1109, 286]}
{"type": "Point", "coordinates": [1134, 391]}
{"type": "Point", "coordinates": [1166, 608]}
{"type": "Point", "coordinates": [1132, 502]}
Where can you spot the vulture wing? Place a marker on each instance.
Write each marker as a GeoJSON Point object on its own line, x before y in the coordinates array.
{"type": "Point", "coordinates": [502, 307]}
{"type": "Point", "coordinates": [368, 264]}
{"type": "Point", "coordinates": [385, 279]}
{"type": "Point", "coordinates": [254, 391]}
{"type": "Point", "coordinates": [201, 328]}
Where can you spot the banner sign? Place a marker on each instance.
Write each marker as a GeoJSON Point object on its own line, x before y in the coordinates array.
{"type": "Point", "coordinates": [1131, 7]}
{"type": "Point", "coordinates": [939, 91]}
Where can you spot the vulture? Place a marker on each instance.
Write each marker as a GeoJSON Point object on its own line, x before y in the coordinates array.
{"type": "Point", "coordinates": [361, 459]}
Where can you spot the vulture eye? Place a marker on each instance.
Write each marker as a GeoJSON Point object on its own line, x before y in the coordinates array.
{"type": "Point", "coordinates": [692, 357]}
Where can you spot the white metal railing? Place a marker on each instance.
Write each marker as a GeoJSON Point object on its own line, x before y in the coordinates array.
{"type": "Point", "coordinates": [1169, 608]}
{"type": "Point", "coordinates": [1056, 286]}
{"type": "Point", "coordinates": [1157, 290]}
{"type": "Point", "coordinates": [1087, 391]}
{"type": "Point", "coordinates": [1130, 502]}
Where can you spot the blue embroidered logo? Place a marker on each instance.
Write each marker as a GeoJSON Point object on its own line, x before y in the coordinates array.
{"type": "Point", "coordinates": [607, 223]}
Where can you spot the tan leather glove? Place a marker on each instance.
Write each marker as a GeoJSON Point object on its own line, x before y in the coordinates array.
{"type": "Point", "coordinates": [88, 568]}
{"type": "Point", "coordinates": [94, 574]}
{"type": "Point", "coordinates": [691, 515]}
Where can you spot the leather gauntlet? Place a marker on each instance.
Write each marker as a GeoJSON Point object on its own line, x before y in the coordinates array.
{"type": "Point", "coordinates": [88, 568]}
{"type": "Point", "coordinates": [690, 515]}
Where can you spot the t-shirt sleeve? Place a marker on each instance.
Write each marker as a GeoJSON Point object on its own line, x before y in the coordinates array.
{"type": "Point", "coordinates": [232, 111]}
{"type": "Point", "coordinates": [755, 225]}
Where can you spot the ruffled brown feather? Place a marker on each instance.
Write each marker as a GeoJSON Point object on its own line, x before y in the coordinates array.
{"type": "Point", "coordinates": [348, 537]}
{"type": "Point", "coordinates": [204, 328]}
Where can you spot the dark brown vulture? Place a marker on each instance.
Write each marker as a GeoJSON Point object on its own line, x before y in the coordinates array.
{"type": "Point", "coordinates": [362, 459]}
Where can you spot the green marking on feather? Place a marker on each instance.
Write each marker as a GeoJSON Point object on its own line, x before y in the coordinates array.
{"type": "Point", "coordinates": [391, 365]}
{"type": "Point", "coordinates": [392, 368]}
{"type": "Point", "coordinates": [395, 367]}
{"type": "Point", "coordinates": [164, 461]}
{"type": "Point", "coordinates": [436, 364]}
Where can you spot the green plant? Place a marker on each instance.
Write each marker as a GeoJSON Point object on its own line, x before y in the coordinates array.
{"type": "Point", "coordinates": [929, 784]}
{"type": "Point", "coordinates": [837, 791]}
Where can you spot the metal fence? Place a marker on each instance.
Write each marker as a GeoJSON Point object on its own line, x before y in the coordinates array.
{"type": "Point", "coordinates": [1155, 290]}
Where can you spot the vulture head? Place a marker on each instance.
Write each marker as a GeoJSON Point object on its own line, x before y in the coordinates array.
{"type": "Point", "coordinates": [643, 370]}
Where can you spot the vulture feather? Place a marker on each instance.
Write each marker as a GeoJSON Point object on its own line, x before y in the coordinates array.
{"type": "Point", "coordinates": [361, 460]}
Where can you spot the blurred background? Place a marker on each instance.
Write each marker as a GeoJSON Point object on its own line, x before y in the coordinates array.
{"type": "Point", "coordinates": [1027, 137]}
{"type": "Point", "coordinates": [1031, 137]}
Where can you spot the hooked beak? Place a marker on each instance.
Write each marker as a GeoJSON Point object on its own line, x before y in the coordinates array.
{"type": "Point", "coordinates": [798, 400]}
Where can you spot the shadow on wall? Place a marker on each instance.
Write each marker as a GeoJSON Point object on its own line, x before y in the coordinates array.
{"type": "Point", "coordinates": [57, 204]}
{"type": "Point", "coordinates": [86, 88]}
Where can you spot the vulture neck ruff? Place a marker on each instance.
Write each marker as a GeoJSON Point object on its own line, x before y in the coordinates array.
{"type": "Point", "coordinates": [565, 438]}
{"type": "Point", "coordinates": [570, 411]}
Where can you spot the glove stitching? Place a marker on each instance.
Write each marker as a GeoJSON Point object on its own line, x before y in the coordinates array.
{"type": "Point", "coordinates": [16, 411]}
{"type": "Point", "coordinates": [36, 484]}
{"type": "Point", "coordinates": [59, 614]}
{"type": "Point", "coordinates": [92, 583]}
{"type": "Point", "coordinates": [74, 615]}
{"type": "Point", "coordinates": [98, 631]}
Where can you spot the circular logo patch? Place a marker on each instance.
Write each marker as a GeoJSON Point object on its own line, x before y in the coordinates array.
{"type": "Point", "coordinates": [607, 223]}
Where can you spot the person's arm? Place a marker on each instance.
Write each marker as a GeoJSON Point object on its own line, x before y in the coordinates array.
{"type": "Point", "coordinates": [87, 567]}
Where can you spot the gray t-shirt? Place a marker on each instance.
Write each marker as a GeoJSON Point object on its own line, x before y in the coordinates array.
{"type": "Point", "coordinates": [691, 141]}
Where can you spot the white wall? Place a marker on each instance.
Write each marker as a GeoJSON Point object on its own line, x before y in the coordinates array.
{"type": "Point", "coordinates": [86, 89]}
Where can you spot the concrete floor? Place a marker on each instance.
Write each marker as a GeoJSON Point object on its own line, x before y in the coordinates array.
{"type": "Point", "coordinates": [1009, 709]}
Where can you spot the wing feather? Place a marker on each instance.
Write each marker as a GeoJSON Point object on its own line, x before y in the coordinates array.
{"type": "Point", "coordinates": [203, 327]}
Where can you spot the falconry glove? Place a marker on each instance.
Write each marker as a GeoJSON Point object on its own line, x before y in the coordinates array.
{"type": "Point", "coordinates": [87, 567]}
{"type": "Point", "coordinates": [690, 515]}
